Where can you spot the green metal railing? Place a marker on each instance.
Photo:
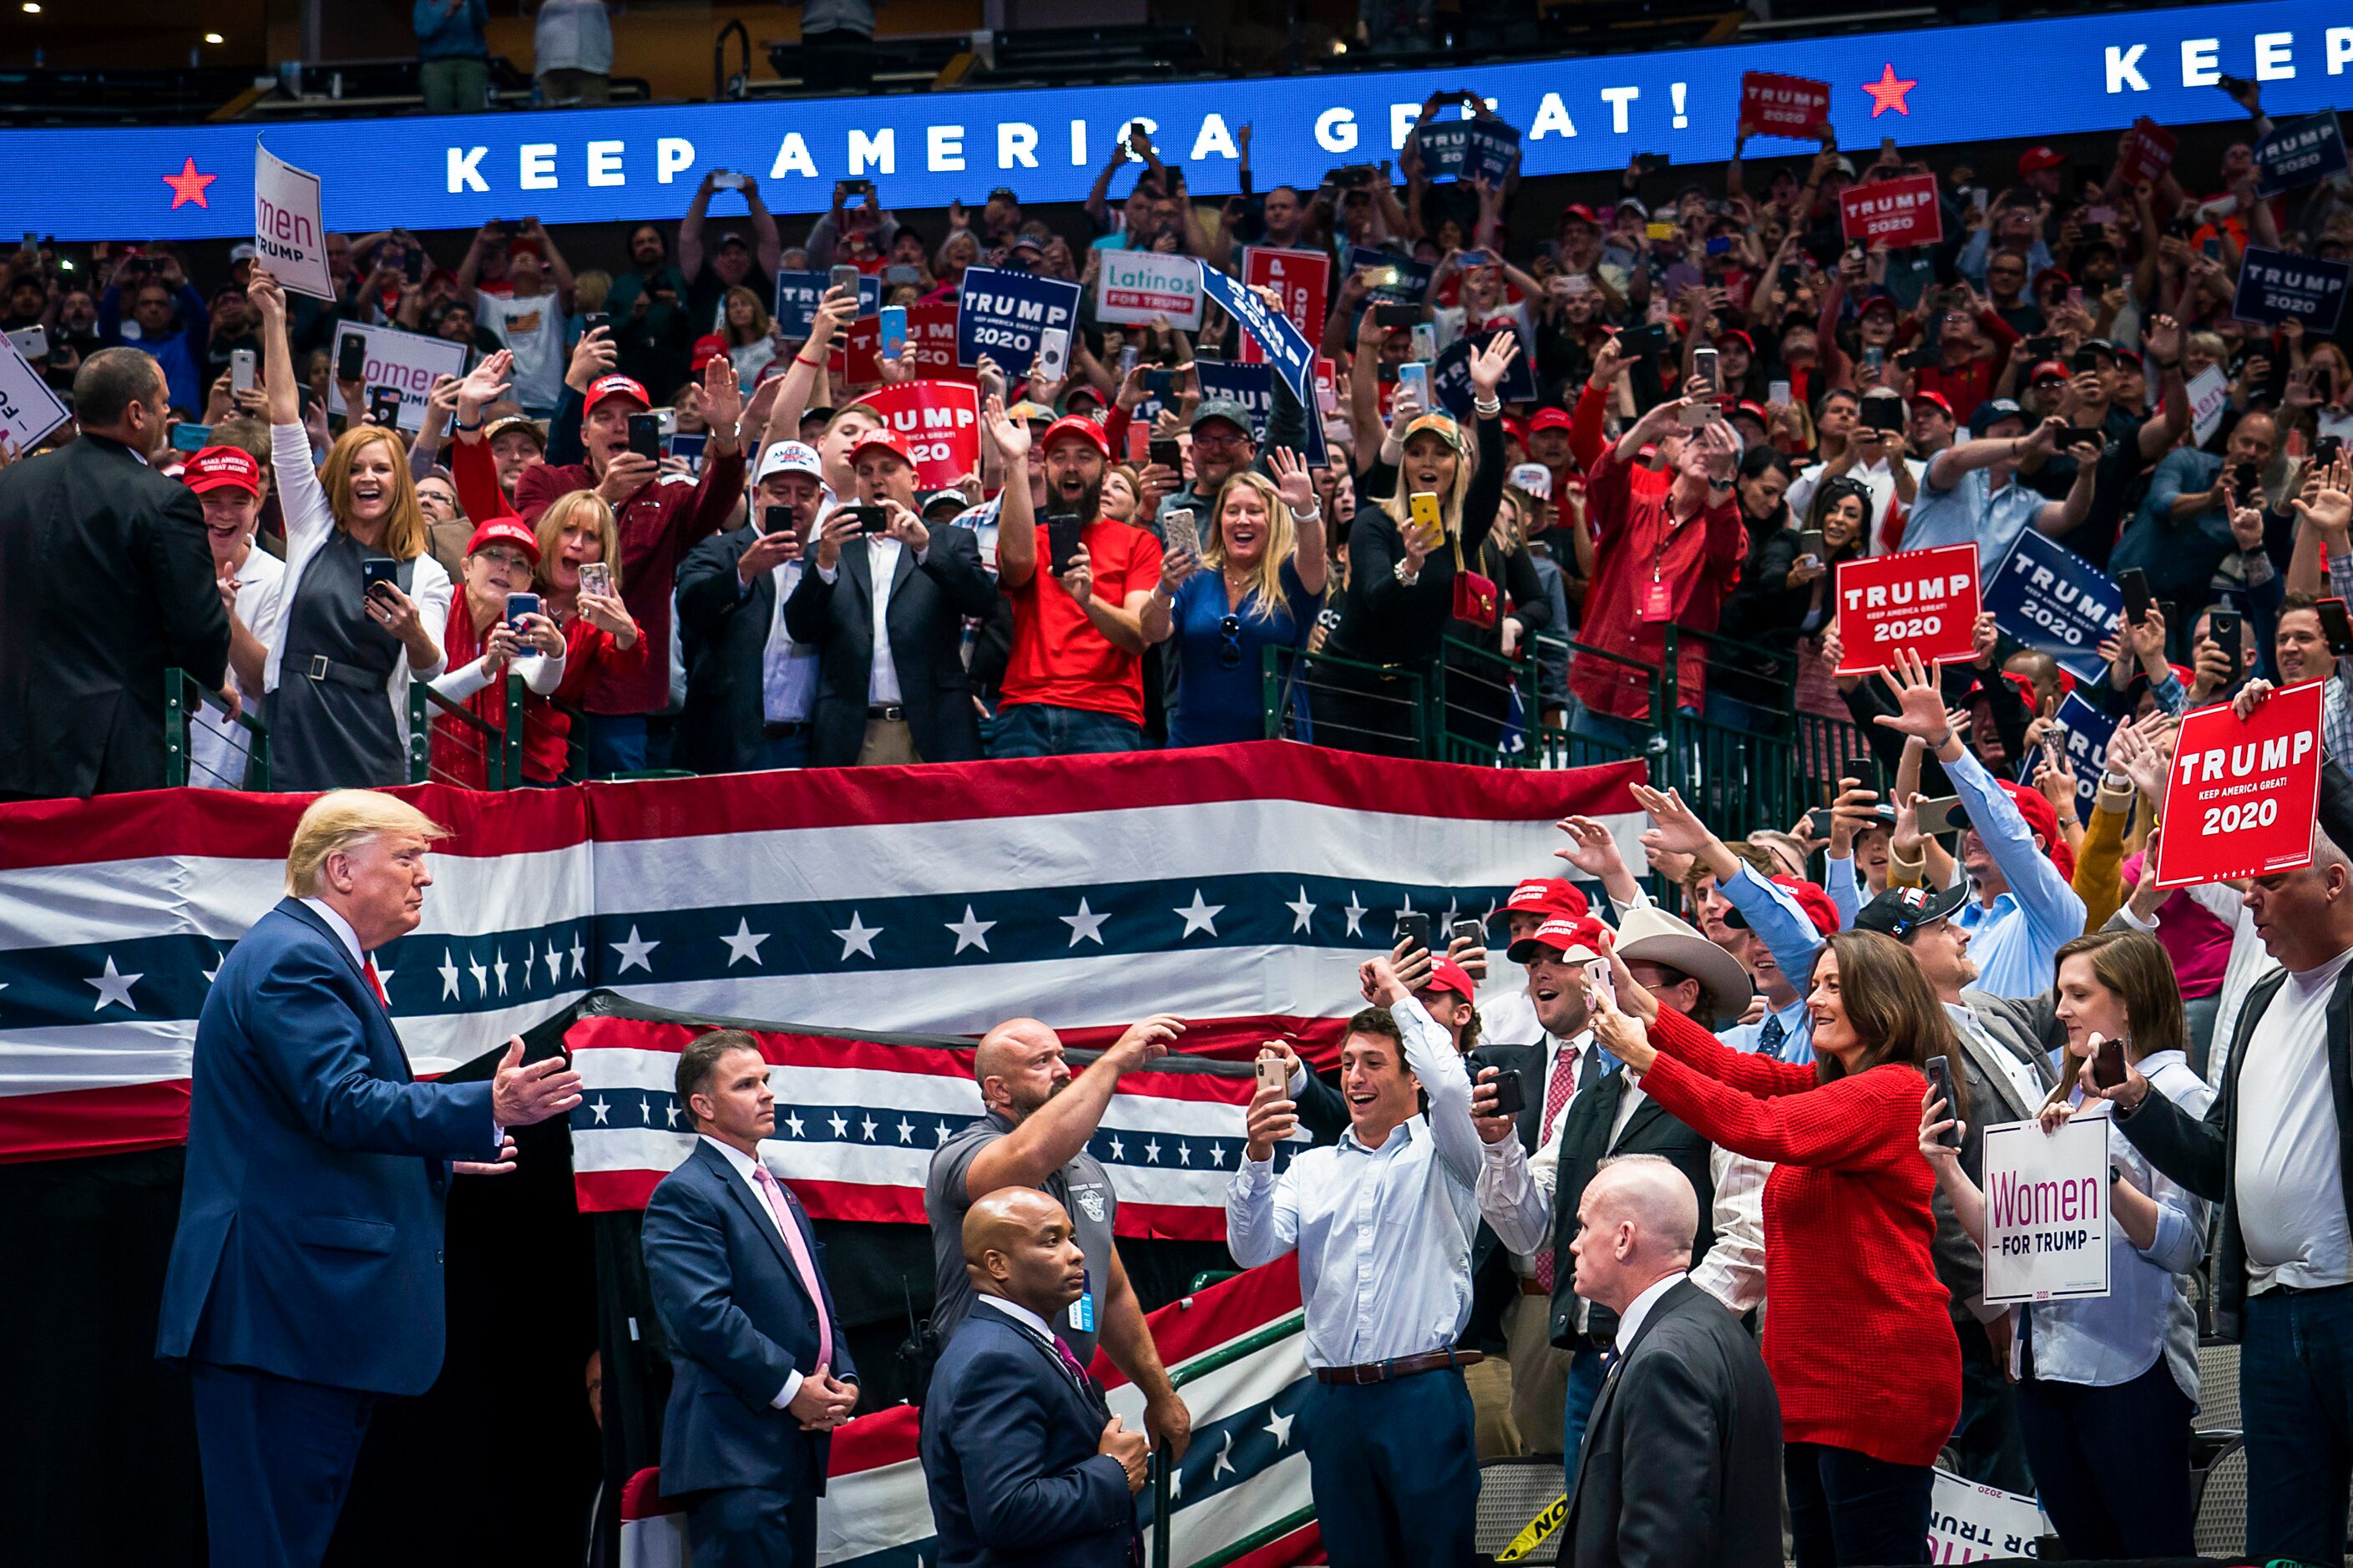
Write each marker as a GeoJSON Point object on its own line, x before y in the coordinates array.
{"type": "Point", "coordinates": [1191, 1371]}
{"type": "Point", "coordinates": [184, 698]}
{"type": "Point", "coordinates": [502, 743]}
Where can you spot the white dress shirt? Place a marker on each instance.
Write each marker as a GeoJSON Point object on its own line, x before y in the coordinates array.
{"type": "Point", "coordinates": [1515, 1199]}
{"type": "Point", "coordinates": [741, 1163]}
{"type": "Point", "coordinates": [340, 926]}
{"type": "Point", "coordinates": [881, 565]}
{"type": "Point", "coordinates": [1638, 1310]}
{"type": "Point", "coordinates": [2288, 1180]}
{"type": "Point", "coordinates": [1383, 1235]}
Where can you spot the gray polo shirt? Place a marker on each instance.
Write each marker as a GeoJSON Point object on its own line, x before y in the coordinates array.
{"type": "Point", "coordinates": [1083, 1189]}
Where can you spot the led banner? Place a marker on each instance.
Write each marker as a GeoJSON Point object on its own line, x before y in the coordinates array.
{"type": "Point", "coordinates": [1926, 87]}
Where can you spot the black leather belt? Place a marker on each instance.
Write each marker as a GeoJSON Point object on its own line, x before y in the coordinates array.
{"type": "Point", "coordinates": [889, 713]}
{"type": "Point", "coordinates": [322, 668]}
{"type": "Point", "coordinates": [775, 731]}
{"type": "Point", "coordinates": [1396, 1367]}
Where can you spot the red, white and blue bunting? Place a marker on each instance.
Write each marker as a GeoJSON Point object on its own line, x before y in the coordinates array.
{"type": "Point", "coordinates": [1237, 886]}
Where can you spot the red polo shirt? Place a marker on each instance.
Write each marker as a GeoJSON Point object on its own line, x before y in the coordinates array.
{"type": "Point", "coordinates": [1696, 563]}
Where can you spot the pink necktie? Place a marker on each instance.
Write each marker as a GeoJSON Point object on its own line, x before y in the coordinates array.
{"type": "Point", "coordinates": [802, 1264]}
{"type": "Point", "coordinates": [1556, 1093]}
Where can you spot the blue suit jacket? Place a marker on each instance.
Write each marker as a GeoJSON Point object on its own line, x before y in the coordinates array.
{"type": "Point", "coordinates": [310, 1214]}
{"type": "Point", "coordinates": [740, 1324]}
{"type": "Point", "coordinates": [1009, 1456]}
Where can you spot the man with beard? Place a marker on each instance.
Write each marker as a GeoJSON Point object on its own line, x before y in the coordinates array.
{"type": "Point", "coordinates": [1223, 446]}
{"type": "Point", "coordinates": [1074, 679]}
{"type": "Point", "coordinates": [648, 304]}
{"type": "Point", "coordinates": [1038, 1123]}
{"type": "Point", "coordinates": [711, 271]}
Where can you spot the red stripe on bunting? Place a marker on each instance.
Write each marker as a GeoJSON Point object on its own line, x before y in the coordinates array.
{"type": "Point", "coordinates": [1196, 1324]}
{"type": "Point", "coordinates": [116, 1119]}
{"type": "Point", "coordinates": [228, 825]}
{"type": "Point", "coordinates": [1055, 786]}
{"type": "Point", "coordinates": [783, 1048]}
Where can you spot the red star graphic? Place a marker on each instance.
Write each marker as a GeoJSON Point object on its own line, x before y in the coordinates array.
{"type": "Point", "coordinates": [1888, 92]}
{"type": "Point", "coordinates": [187, 186]}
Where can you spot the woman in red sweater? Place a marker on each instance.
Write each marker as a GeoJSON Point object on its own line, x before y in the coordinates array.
{"type": "Point", "coordinates": [1857, 1335]}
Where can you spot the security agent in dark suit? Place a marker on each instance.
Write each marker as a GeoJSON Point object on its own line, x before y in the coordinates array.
{"type": "Point", "coordinates": [306, 1277]}
{"type": "Point", "coordinates": [750, 688]}
{"type": "Point", "coordinates": [105, 582]}
{"type": "Point", "coordinates": [761, 1372]}
{"type": "Point", "coordinates": [1682, 1463]}
{"type": "Point", "coordinates": [1024, 1460]}
{"type": "Point", "coordinates": [891, 686]}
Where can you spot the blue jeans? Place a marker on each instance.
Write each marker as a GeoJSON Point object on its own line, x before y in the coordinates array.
{"type": "Point", "coordinates": [1394, 1470]}
{"type": "Point", "coordinates": [1042, 730]}
{"type": "Point", "coordinates": [617, 744]}
{"type": "Point", "coordinates": [1587, 1368]}
{"type": "Point", "coordinates": [2295, 1395]}
{"type": "Point", "coordinates": [785, 750]}
{"type": "Point", "coordinates": [1848, 1507]}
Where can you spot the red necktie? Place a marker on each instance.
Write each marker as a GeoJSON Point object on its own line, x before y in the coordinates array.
{"type": "Point", "coordinates": [1556, 1094]}
{"type": "Point", "coordinates": [376, 981]}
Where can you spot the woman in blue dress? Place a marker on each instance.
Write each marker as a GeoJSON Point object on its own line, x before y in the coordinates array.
{"type": "Point", "coordinates": [1258, 582]}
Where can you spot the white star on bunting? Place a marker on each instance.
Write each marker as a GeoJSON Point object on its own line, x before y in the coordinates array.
{"type": "Point", "coordinates": [858, 937]}
{"type": "Point", "coordinates": [971, 933]}
{"type": "Point", "coordinates": [448, 972]}
{"type": "Point", "coordinates": [1302, 911]}
{"type": "Point", "coordinates": [1085, 926]}
{"type": "Point", "coordinates": [1355, 913]}
{"type": "Point", "coordinates": [868, 1126]}
{"type": "Point", "coordinates": [1118, 1150]}
{"type": "Point", "coordinates": [555, 964]}
{"type": "Point", "coordinates": [841, 1124]}
{"type": "Point", "coordinates": [499, 967]}
{"type": "Point", "coordinates": [113, 986]}
{"type": "Point", "coordinates": [634, 953]}
{"type": "Point", "coordinates": [602, 1110]}
{"type": "Point", "coordinates": [1152, 1151]}
{"type": "Point", "coordinates": [1225, 1460]}
{"type": "Point", "coordinates": [1200, 917]}
{"type": "Point", "coordinates": [1281, 1426]}
{"type": "Point", "coordinates": [481, 973]}
{"type": "Point", "coordinates": [579, 958]}
{"type": "Point", "coordinates": [906, 1130]}
{"type": "Point", "coordinates": [744, 944]}
{"type": "Point", "coordinates": [794, 1123]}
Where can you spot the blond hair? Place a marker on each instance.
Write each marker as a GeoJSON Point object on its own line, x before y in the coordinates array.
{"type": "Point", "coordinates": [339, 821]}
{"type": "Point", "coordinates": [759, 327]}
{"type": "Point", "coordinates": [561, 513]}
{"type": "Point", "coordinates": [1266, 581]}
{"type": "Point", "coordinates": [1399, 503]}
{"type": "Point", "coordinates": [404, 526]}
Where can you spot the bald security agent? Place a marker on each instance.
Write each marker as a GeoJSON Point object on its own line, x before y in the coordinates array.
{"type": "Point", "coordinates": [306, 1278]}
{"type": "Point", "coordinates": [1682, 1463]}
{"type": "Point", "coordinates": [760, 1371]}
{"type": "Point", "coordinates": [1024, 1460]}
{"type": "Point", "coordinates": [1040, 1118]}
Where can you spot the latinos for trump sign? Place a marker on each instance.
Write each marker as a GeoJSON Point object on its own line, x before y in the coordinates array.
{"type": "Point", "coordinates": [2275, 286]}
{"type": "Point", "coordinates": [2049, 597]}
{"type": "Point", "coordinates": [1922, 600]}
{"type": "Point", "coordinates": [1899, 212]}
{"type": "Point", "coordinates": [1001, 313]}
{"type": "Point", "coordinates": [1302, 279]}
{"type": "Point", "coordinates": [2242, 796]}
{"type": "Point", "coordinates": [2300, 153]}
{"type": "Point", "coordinates": [286, 228]}
{"type": "Point", "coordinates": [2046, 1210]}
{"type": "Point", "coordinates": [1142, 286]}
{"type": "Point", "coordinates": [408, 362]}
{"type": "Point", "coordinates": [941, 421]}
{"type": "Point", "coordinates": [1773, 105]}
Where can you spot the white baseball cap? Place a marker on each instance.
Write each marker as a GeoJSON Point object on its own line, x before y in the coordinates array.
{"type": "Point", "coordinates": [1535, 478]}
{"type": "Point", "coordinates": [790, 458]}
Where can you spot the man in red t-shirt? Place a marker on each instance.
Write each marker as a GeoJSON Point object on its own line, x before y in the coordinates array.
{"type": "Point", "coordinates": [661, 517]}
{"type": "Point", "coordinates": [1074, 681]}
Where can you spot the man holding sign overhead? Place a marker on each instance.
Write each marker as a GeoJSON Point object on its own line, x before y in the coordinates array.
{"type": "Point", "coordinates": [2023, 909]}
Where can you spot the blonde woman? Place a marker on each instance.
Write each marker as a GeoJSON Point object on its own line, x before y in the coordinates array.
{"type": "Point", "coordinates": [350, 643]}
{"type": "Point", "coordinates": [751, 336]}
{"type": "Point", "coordinates": [1257, 583]}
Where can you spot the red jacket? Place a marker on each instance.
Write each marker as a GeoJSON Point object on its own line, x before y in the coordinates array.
{"type": "Point", "coordinates": [1634, 536]}
{"type": "Point", "coordinates": [659, 524]}
{"type": "Point", "coordinates": [1859, 1337]}
{"type": "Point", "coordinates": [590, 651]}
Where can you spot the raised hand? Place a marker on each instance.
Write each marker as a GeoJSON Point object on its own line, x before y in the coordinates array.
{"type": "Point", "coordinates": [1590, 847]}
{"type": "Point", "coordinates": [1489, 364]}
{"type": "Point", "coordinates": [1010, 436]}
{"type": "Point", "coordinates": [1294, 481]}
{"type": "Point", "coordinates": [1921, 703]}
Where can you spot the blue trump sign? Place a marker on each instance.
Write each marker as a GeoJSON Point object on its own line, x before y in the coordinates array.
{"type": "Point", "coordinates": [2049, 597]}
{"type": "Point", "coordinates": [798, 294]}
{"type": "Point", "coordinates": [1252, 386]}
{"type": "Point", "coordinates": [1001, 313]}
{"type": "Point", "coordinates": [2088, 730]}
{"type": "Point", "coordinates": [1930, 86]}
{"type": "Point", "coordinates": [1287, 348]}
{"type": "Point", "coordinates": [2278, 285]}
{"type": "Point", "coordinates": [2300, 153]}
{"type": "Point", "coordinates": [1464, 150]}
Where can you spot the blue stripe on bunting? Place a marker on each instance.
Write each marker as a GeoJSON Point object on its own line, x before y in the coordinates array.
{"type": "Point", "coordinates": [1225, 1453]}
{"type": "Point", "coordinates": [166, 978]}
{"type": "Point", "coordinates": [639, 1110]}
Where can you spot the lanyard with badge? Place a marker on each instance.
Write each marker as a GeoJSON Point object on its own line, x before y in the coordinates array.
{"type": "Point", "coordinates": [1658, 603]}
{"type": "Point", "coordinates": [1081, 1315]}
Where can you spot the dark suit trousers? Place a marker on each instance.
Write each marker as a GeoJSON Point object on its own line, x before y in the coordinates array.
{"type": "Point", "coordinates": [1847, 1507]}
{"type": "Point", "coordinates": [276, 1457]}
{"type": "Point", "coordinates": [1394, 1468]}
{"type": "Point", "coordinates": [752, 1527]}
